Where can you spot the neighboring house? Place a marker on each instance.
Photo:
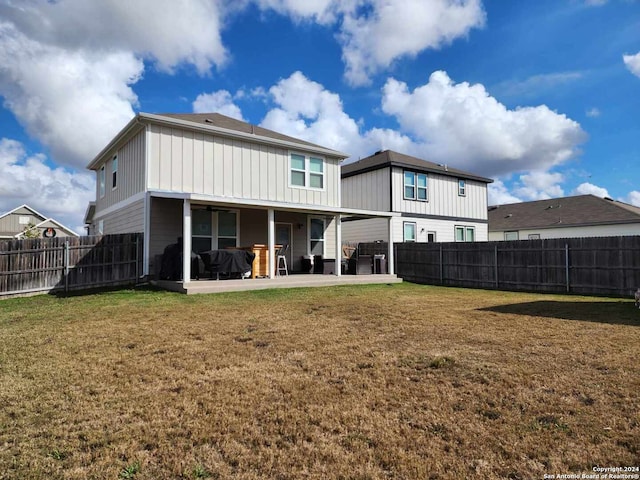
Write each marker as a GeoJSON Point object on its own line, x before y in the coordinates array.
{"type": "Point", "coordinates": [14, 223]}
{"type": "Point", "coordinates": [567, 217]}
{"type": "Point", "coordinates": [432, 202]}
{"type": "Point", "coordinates": [218, 182]}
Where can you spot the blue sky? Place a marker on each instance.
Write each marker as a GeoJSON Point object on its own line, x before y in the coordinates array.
{"type": "Point", "coordinates": [541, 96]}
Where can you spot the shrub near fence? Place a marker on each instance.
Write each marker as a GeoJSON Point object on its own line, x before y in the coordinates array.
{"type": "Point", "coordinates": [590, 266]}
{"type": "Point", "coordinates": [69, 263]}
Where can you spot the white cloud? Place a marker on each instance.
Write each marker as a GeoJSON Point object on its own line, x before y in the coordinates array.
{"type": "Point", "coordinates": [375, 33]}
{"type": "Point", "coordinates": [397, 28]}
{"type": "Point", "coordinates": [220, 101]}
{"type": "Point", "coordinates": [633, 198]}
{"type": "Point", "coordinates": [66, 67]}
{"type": "Point", "coordinates": [633, 63]}
{"type": "Point", "coordinates": [53, 191]}
{"type": "Point", "coordinates": [499, 194]}
{"type": "Point", "coordinates": [587, 188]}
{"type": "Point", "coordinates": [462, 124]}
{"type": "Point", "coordinates": [539, 185]}
{"type": "Point", "coordinates": [320, 11]}
{"type": "Point", "coordinates": [305, 109]}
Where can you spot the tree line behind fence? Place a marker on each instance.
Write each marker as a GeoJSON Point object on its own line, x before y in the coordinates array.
{"type": "Point", "coordinates": [69, 263]}
{"type": "Point", "coordinates": [590, 266]}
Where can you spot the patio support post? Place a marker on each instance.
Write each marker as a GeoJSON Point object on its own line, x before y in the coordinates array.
{"type": "Point", "coordinates": [391, 261]}
{"type": "Point", "coordinates": [271, 241]}
{"type": "Point", "coordinates": [338, 267]}
{"type": "Point", "coordinates": [186, 241]}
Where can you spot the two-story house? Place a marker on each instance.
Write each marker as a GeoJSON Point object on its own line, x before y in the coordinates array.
{"type": "Point", "coordinates": [218, 182]}
{"type": "Point", "coordinates": [16, 222]}
{"type": "Point", "coordinates": [431, 202]}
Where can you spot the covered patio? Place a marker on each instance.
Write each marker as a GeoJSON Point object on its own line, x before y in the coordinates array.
{"type": "Point", "coordinates": [206, 223]}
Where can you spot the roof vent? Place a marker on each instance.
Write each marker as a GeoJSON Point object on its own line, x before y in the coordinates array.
{"type": "Point", "coordinates": [378, 152]}
{"type": "Point", "coordinates": [508, 215]}
{"type": "Point", "coordinates": [208, 120]}
{"type": "Point", "coordinates": [609, 198]}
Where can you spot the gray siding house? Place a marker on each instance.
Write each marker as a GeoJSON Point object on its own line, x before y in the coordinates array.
{"type": "Point", "coordinates": [431, 202]}
{"type": "Point", "coordinates": [14, 222]}
{"type": "Point", "coordinates": [218, 182]}
{"type": "Point", "coordinates": [567, 217]}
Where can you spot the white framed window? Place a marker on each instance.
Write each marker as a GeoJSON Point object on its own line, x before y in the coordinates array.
{"type": "Point", "coordinates": [114, 172]}
{"type": "Point", "coordinates": [465, 233]}
{"type": "Point", "coordinates": [316, 236]}
{"type": "Point", "coordinates": [409, 232]}
{"type": "Point", "coordinates": [306, 171]}
{"type": "Point", "coordinates": [511, 236]}
{"type": "Point", "coordinates": [462, 188]}
{"type": "Point", "coordinates": [100, 227]}
{"type": "Point", "coordinates": [211, 230]}
{"type": "Point", "coordinates": [22, 220]}
{"type": "Point", "coordinates": [415, 186]}
{"type": "Point", "coordinates": [101, 181]}
{"type": "Point", "coordinates": [534, 236]}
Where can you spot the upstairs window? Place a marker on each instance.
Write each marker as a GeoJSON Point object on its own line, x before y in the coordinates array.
{"type": "Point", "coordinates": [306, 172]}
{"type": "Point", "coordinates": [114, 172]}
{"type": "Point", "coordinates": [462, 188]}
{"type": "Point", "coordinates": [101, 181]}
{"type": "Point", "coordinates": [415, 186]}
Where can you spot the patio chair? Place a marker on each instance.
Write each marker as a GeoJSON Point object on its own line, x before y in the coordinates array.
{"type": "Point", "coordinates": [281, 261]}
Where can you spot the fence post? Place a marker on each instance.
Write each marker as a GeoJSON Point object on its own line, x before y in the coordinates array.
{"type": "Point", "coordinates": [566, 265]}
{"type": "Point", "coordinates": [66, 266]}
{"type": "Point", "coordinates": [441, 267]}
{"type": "Point", "coordinates": [495, 264]}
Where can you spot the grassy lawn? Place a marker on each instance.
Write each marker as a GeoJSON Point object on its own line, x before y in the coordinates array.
{"type": "Point", "coordinates": [354, 382]}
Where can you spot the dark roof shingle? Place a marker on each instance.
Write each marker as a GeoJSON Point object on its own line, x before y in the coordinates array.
{"type": "Point", "coordinates": [222, 121]}
{"type": "Point", "coordinates": [580, 210]}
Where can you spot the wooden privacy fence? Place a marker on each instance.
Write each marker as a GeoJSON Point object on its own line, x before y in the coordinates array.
{"type": "Point", "coordinates": [69, 263]}
{"type": "Point", "coordinates": [590, 266]}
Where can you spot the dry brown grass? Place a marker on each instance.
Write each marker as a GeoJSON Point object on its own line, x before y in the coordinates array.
{"type": "Point", "coordinates": [403, 382]}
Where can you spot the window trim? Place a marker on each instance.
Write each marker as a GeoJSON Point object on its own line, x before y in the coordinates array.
{"type": "Point", "coordinates": [465, 229]}
{"type": "Point", "coordinates": [415, 186]}
{"type": "Point", "coordinates": [215, 236]}
{"type": "Point", "coordinates": [102, 180]}
{"type": "Point", "coordinates": [462, 187]}
{"type": "Point", "coordinates": [415, 232]}
{"type": "Point", "coordinates": [309, 239]}
{"type": "Point", "coordinates": [308, 173]}
{"type": "Point", "coordinates": [114, 172]}
{"type": "Point", "coordinates": [516, 232]}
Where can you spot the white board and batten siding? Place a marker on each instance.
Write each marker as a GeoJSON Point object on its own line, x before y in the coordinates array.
{"type": "Point", "coordinates": [368, 191]}
{"type": "Point", "coordinates": [195, 162]}
{"type": "Point", "coordinates": [575, 232]}
{"type": "Point", "coordinates": [130, 176]}
{"type": "Point", "coordinates": [443, 199]}
{"type": "Point", "coordinates": [445, 230]}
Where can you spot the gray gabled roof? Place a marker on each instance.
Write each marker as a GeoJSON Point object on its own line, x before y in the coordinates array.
{"type": "Point", "coordinates": [577, 211]}
{"type": "Point", "coordinates": [386, 158]}
{"type": "Point", "coordinates": [229, 123]}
